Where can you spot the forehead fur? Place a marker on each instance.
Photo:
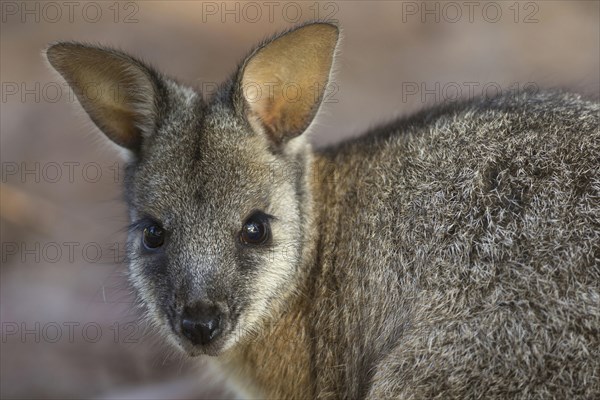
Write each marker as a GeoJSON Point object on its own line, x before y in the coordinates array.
{"type": "Point", "coordinates": [202, 155]}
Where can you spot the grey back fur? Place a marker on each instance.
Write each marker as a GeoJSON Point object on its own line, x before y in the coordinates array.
{"type": "Point", "coordinates": [475, 229]}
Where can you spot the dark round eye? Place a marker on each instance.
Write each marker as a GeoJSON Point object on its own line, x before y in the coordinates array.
{"type": "Point", "coordinates": [255, 230]}
{"type": "Point", "coordinates": [154, 237]}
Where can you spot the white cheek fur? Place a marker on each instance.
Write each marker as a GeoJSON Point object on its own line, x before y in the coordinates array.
{"type": "Point", "coordinates": [273, 284]}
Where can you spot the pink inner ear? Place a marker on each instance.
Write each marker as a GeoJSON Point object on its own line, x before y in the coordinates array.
{"type": "Point", "coordinates": [286, 80]}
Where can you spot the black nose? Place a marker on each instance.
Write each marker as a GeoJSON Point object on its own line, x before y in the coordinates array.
{"type": "Point", "coordinates": [201, 323]}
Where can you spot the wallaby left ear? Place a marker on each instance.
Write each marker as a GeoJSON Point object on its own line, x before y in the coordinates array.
{"type": "Point", "coordinates": [119, 93]}
{"type": "Point", "coordinates": [283, 81]}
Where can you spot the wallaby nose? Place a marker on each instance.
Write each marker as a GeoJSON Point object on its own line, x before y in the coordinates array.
{"type": "Point", "coordinates": [201, 323]}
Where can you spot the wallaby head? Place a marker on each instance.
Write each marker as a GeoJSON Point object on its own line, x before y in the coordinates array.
{"type": "Point", "coordinates": [216, 242]}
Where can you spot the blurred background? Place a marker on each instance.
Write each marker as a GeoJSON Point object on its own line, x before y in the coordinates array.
{"type": "Point", "coordinates": [69, 326]}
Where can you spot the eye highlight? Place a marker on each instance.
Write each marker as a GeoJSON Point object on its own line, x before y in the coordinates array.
{"type": "Point", "coordinates": [153, 237]}
{"type": "Point", "coordinates": [256, 229]}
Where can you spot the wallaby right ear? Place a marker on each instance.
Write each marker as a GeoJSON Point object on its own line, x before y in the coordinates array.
{"type": "Point", "coordinates": [117, 91]}
{"type": "Point", "coordinates": [301, 60]}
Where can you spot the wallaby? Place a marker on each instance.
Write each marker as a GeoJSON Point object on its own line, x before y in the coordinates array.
{"type": "Point", "coordinates": [451, 254]}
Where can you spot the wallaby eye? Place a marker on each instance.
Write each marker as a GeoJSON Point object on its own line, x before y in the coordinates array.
{"type": "Point", "coordinates": [154, 237]}
{"type": "Point", "coordinates": [256, 229]}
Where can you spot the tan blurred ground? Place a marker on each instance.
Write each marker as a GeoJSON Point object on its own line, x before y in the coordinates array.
{"type": "Point", "coordinates": [387, 51]}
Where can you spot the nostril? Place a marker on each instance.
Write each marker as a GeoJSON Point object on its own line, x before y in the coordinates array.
{"type": "Point", "coordinates": [188, 328]}
{"type": "Point", "coordinates": [210, 326]}
{"type": "Point", "coordinates": [201, 328]}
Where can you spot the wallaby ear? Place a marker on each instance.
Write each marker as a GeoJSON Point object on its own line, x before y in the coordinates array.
{"type": "Point", "coordinates": [117, 91]}
{"type": "Point", "coordinates": [283, 81]}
